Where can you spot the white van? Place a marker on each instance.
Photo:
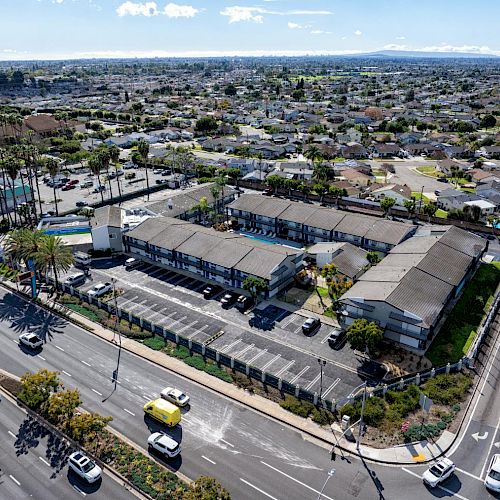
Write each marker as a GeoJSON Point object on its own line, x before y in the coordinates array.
{"type": "Point", "coordinates": [75, 279]}
{"type": "Point", "coordinates": [82, 259]}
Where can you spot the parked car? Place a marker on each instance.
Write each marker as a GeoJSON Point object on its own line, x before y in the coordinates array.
{"type": "Point", "coordinates": [84, 467]}
{"type": "Point", "coordinates": [100, 289]}
{"type": "Point", "coordinates": [86, 184]}
{"type": "Point", "coordinates": [132, 263]}
{"type": "Point", "coordinates": [130, 175]}
{"type": "Point", "coordinates": [158, 171]}
{"type": "Point", "coordinates": [166, 172]}
{"type": "Point", "coordinates": [49, 213]}
{"type": "Point", "coordinates": [98, 189]}
{"type": "Point", "coordinates": [211, 291]}
{"type": "Point", "coordinates": [228, 299]}
{"type": "Point", "coordinates": [31, 340]}
{"type": "Point", "coordinates": [442, 179]}
{"type": "Point", "coordinates": [438, 472]}
{"type": "Point", "coordinates": [119, 173]}
{"type": "Point", "coordinates": [164, 444]}
{"type": "Point", "coordinates": [492, 480]}
{"type": "Point", "coordinates": [336, 338]}
{"type": "Point", "coordinates": [311, 325]}
{"type": "Point", "coordinates": [161, 181]}
{"type": "Point", "coordinates": [243, 303]}
{"type": "Point", "coordinates": [437, 192]}
{"type": "Point", "coordinates": [175, 396]}
{"type": "Point", "coordinates": [75, 279]}
{"type": "Point", "coordinates": [73, 182]}
{"type": "Point", "coordinates": [81, 203]}
{"type": "Point", "coordinates": [268, 191]}
{"type": "Point", "coordinates": [68, 187]}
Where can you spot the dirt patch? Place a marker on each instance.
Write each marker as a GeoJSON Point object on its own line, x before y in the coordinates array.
{"type": "Point", "coordinates": [401, 362]}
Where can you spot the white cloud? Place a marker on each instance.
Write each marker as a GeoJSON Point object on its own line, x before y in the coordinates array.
{"type": "Point", "coordinates": [473, 49]}
{"type": "Point", "coordinates": [400, 38]}
{"type": "Point", "coordinates": [294, 26]}
{"type": "Point", "coordinates": [395, 46]}
{"type": "Point", "coordinates": [174, 10]}
{"type": "Point", "coordinates": [150, 9]}
{"type": "Point", "coordinates": [238, 14]}
{"type": "Point", "coordinates": [128, 8]}
{"type": "Point", "coordinates": [358, 33]}
{"type": "Point", "coordinates": [320, 32]}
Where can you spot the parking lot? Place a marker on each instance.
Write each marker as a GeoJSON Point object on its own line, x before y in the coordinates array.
{"type": "Point", "coordinates": [269, 338]}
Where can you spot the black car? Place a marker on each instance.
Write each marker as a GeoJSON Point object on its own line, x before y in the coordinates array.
{"type": "Point", "coordinates": [442, 179]}
{"type": "Point", "coordinates": [81, 203]}
{"type": "Point", "coordinates": [243, 303]}
{"type": "Point", "coordinates": [311, 325]}
{"type": "Point", "coordinates": [228, 299]}
{"type": "Point", "coordinates": [336, 339]}
{"type": "Point", "coordinates": [211, 291]}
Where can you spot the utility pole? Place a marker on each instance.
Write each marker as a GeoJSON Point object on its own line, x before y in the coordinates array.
{"type": "Point", "coordinates": [331, 472]}
{"type": "Point", "coordinates": [361, 419]}
{"type": "Point", "coordinates": [322, 363]}
{"type": "Point", "coordinates": [421, 197]}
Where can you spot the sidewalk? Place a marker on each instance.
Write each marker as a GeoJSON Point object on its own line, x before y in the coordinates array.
{"type": "Point", "coordinates": [403, 454]}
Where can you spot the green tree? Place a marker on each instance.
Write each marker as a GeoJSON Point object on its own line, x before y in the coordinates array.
{"type": "Point", "coordinates": [61, 406]}
{"type": "Point", "coordinates": [230, 90]}
{"type": "Point", "coordinates": [488, 121]}
{"type": "Point", "coordinates": [337, 193]}
{"type": "Point", "coordinates": [275, 181]}
{"type": "Point", "coordinates": [36, 388]}
{"type": "Point", "coordinates": [53, 255]}
{"type": "Point", "coordinates": [410, 205]}
{"type": "Point", "coordinates": [143, 149]}
{"type": "Point", "coordinates": [256, 286]}
{"type": "Point", "coordinates": [321, 189]}
{"type": "Point", "coordinates": [363, 334]}
{"type": "Point", "coordinates": [373, 258]}
{"type": "Point", "coordinates": [429, 209]}
{"type": "Point", "coordinates": [95, 166]}
{"type": "Point", "coordinates": [305, 189]}
{"type": "Point", "coordinates": [206, 125]}
{"type": "Point", "coordinates": [88, 427]}
{"type": "Point", "coordinates": [386, 204]}
{"type": "Point", "coordinates": [206, 488]}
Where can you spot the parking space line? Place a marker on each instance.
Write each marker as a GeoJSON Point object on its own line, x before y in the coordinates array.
{"type": "Point", "coordinates": [196, 332]}
{"type": "Point", "coordinates": [230, 346]}
{"type": "Point", "coordinates": [285, 368]}
{"type": "Point", "coordinates": [294, 379]}
{"type": "Point", "coordinates": [12, 434]}
{"type": "Point", "coordinates": [288, 321]}
{"type": "Point", "coordinates": [310, 384]}
{"type": "Point", "coordinates": [271, 361]}
{"type": "Point", "coordinates": [324, 394]}
{"type": "Point", "coordinates": [208, 460]}
{"type": "Point", "coordinates": [244, 350]}
{"type": "Point", "coordinates": [325, 339]}
{"type": "Point", "coordinates": [297, 330]}
{"type": "Point", "coordinates": [177, 321]}
{"type": "Point", "coordinates": [452, 493]}
{"type": "Point", "coordinates": [44, 461]}
{"type": "Point", "coordinates": [14, 479]}
{"type": "Point", "coordinates": [257, 356]}
{"type": "Point", "coordinates": [257, 489]}
{"type": "Point", "coordinates": [187, 326]}
{"type": "Point", "coordinates": [281, 316]}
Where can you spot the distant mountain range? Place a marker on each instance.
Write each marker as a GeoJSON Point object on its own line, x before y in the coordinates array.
{"type": "Point", "coordinates": [436, 55]}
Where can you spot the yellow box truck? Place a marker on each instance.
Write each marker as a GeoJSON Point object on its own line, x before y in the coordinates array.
{"type": "Point", "coordinates": [163, 411]}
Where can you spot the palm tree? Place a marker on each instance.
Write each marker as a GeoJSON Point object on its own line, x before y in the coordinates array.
{"type": "Point", "coordinates": [3, 192]}
{"type": "Point", "coordinates": [95, 167]}
{"type": "Point", "coordinates": [114, 154]}
{"type": "Point", "coordinates": [12, 168]}
{"type": "Point", "coordinates": [54, 256]}
{"type": "Point", "coordinates": [321, 189]}
{"type": "Point", "coordinates": [52, 166]}
{"type": "Point", "coordinates": [320, 172]}
{"type": "Point", "coordinates": [410, 205]}
{"type": "Point", "coordinates": [313, 154]}
{"type": "Point", "coordinates": [305, 189]}
{"type": "Point", "coordinates": [336, 192]}
{"type": "Point", "coordinates": [104, 158]}
{"type": "Point", "coordinates": [143, 149]}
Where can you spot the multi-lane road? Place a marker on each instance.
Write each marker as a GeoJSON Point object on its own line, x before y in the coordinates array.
{"type": "Point", "coordinates": [253, 456]}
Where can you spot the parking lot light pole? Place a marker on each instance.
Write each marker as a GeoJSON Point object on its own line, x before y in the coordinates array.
{"type": "Point", "coordinates": [322, 363]}
{"type": "Point", "coordinates": [331, 472]}
{"type": "Point", "coordinates": [361, 418]}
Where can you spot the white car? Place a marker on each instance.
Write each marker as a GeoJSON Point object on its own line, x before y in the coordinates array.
{"type": "Point", "coordinates": [100, 289]}
{"type": "Point", "coordinates": [84, 467]}
{"type": "Point", "coordinates": [175, 396]}
{"type": "Point", "coordinates": [30, 340]}
{"type": "Point", "coordinates": [164, 444]}
{"type": "Point", "coordinates": [492, 480]}
{"type": "Point", "coordinates": [438, 472]}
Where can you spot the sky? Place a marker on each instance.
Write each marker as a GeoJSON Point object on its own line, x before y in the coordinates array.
{"type": "Point", "coordinates": [65, 29]}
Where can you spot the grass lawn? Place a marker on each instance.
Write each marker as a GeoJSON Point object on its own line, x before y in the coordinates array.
{"type": "Point", "coordinates": [459, 329]}
{"type": "Point", "coordinates": [429, 170]}
{"type": "Point", "coordinates": [442, 214]}
{"type": "Point", "coordinates": [417, 195]}
{"type": "Point", "coordinates": [323, 292]}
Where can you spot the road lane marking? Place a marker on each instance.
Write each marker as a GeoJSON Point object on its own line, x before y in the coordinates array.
{"type": "Point", "coordinates": [446, 490]}
{"type": "Point", "coordinates": [12, 434]}
{"type": "Point", "coordinates": [208, 460]}
{"type": "Point", "coordinates": [79, 490]}
{"type": "Point", "coordinates": [468, 474]}
{"type": "Point", "coordinates": [44, 461]}
{"type": "Point", "coordinates": [41, 357]}
{"type": "Point", "coordinates": [60, 348]}
{"type": "Point", "coordinates": [85, 363]}
{"type": "Point", "coordinates": [330, 388]}
{"type": "Point", "coordinates": [258, 489]}
{"type": "Point", "coordinates": [294, 379]}
{"type": "Point", "coordinates": [128, 411]}
{"type": "Point", "coordinates": [97, 392]}
{"type": "Point", "coordinates": [225, 442]}
{"type": "Point", "coordinates": [147, 398]}
{"type": "Point", "coordinates": [15, 341]}
{"type": "Point", "coordinates": [66, 373]}
{"type": "Point", "coordinates": [297, 481]}
{"type": "Point", "coordinates": [285, 368]}
{"type": "Point", "coordinates": [490, 447]}
{"type": "Point", "coordinates": [14, 479]}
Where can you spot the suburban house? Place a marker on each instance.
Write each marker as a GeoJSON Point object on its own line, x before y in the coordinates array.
{"type": "Point", "coordinates": [485, 207]}
{"type": "Point", "coordinates": [407, 292]}
{"type": "Point", "coordinates": [489, 191]}
{"type": "Point", "coordinates": [398, 192]}
{"type": "Point", "coordinates": [13, 194]}
{"type": "Point", "coordinates": [223, 258]}
{"type": "Point", "coordinates": [452, 199]}
{"type": "Point", "coordinates": [308, 224]}
{"type": "Point", "coordinates": [356, 178]}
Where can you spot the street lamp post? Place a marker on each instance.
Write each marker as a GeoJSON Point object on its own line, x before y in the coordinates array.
{"type": "Point", "coordinates": [331, 472]}
{"type": "Point", "coordinates": [322, 363]}
{"type": "Point", "coordinates": [361, 418]}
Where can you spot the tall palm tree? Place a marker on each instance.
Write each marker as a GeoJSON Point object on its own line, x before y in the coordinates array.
{"type": "Point", "coordinates": [313, 153]}
{"type": "Point", "coordinates": [114, 154]}
{"type": "Point", "coordinates": [12, 168]}
{"type": "Point", "coordinates": [3, 192]}
{"type": "Point", "coordinates": [52, 166]}
{"type": "Point", "coordinates": [104, 158]}
{"type": "Point", "coordinates": [54, 256]}
{"type": "Point", "coordinates": [95, 168]}
{"type": "Point", "coordinates": [143, 149]}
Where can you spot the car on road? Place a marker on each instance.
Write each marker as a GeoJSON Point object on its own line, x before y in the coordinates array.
{"type": "Point", "coordinates": [228, 299]}
{"type": "Point", "coordinates": [164, 444]}
{"type": "Point", "coordinates": [81, 203]}
{"type": "Point", "coordinates": [211, 291]}
{"type": "Point", "coordinates": [163, 411]}
{"type": "Point", "coordinates": [31, 340]}
{"type": "Point", "coordinates": [311, 325]}
{"type": "Point", "coordinates": [175, 396]}
{"type": "Point", "coordinates": [132, 263]}
{"type": "Point", "coordinates": [336, 338]}
{"type": "Point", "coordinates": [84, 467]}
{"type": "Point", "coordinates": [243, 303]}
{"type": "Point", "coordinates": [442, 179]}
{"type": "Point", "coordinates": [100, 289]}
{"type": "Point", "coordinates": [492, 479]}
{"type": "Point", "coordinates": [438, 472]}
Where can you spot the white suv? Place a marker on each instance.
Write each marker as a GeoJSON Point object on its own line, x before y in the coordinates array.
{"type": "Point", "coordinates": [438, 472]}
{"type": "Point", "coordinates": [164, 444]}
{"type": "Point", "coordinates": [100, 289]}
{"type": "Point", "coordinates": [84, 467]}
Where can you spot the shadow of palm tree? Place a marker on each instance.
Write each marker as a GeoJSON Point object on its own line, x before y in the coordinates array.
{"type": "Point", "coordinates": [26, 317]}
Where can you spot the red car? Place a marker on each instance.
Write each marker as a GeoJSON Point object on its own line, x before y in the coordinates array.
{"type": "Point", "coordinates": [268, 191]}
{"type": "Point", "coordinates": [67, 187]}
{"type": "Point", "coordinates": [73, 182]}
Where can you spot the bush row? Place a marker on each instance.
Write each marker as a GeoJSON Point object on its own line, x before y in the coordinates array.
{"type": "Point", "coordinates": [305, 409]}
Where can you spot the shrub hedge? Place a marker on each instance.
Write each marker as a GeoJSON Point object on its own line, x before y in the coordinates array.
{"type": "Point", "coordinates": [448, 389]}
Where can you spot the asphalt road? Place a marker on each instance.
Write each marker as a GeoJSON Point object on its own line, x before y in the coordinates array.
{"type": "Point", "coordinates": [33, 463]}
{"type": "Point", "coordinates": [253, 456]}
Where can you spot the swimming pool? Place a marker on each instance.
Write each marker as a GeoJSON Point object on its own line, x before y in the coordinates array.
{"type": "Point", "coordinates": [272, 241]}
